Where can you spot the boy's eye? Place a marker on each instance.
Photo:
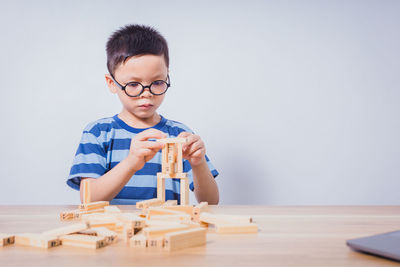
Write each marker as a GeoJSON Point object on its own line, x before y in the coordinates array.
{"type": "Point", "coordinates": [158, 83]}
{"type": "Point", "coordinates": [133, 85]}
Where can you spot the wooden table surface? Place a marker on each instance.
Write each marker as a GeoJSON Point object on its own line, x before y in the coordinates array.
{"type": "Point", "coordinates": [288, 236]}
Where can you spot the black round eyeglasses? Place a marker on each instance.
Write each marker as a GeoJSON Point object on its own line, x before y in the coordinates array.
{"type": "Point", "coordinates": [135, 89]}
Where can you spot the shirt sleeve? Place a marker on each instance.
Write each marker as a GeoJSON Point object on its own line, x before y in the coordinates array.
{"type": "Point", "coordinates": [89, 161]}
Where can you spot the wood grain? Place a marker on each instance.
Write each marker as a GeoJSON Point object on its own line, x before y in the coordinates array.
{"type": "Point", "coordinates": [287, 236]}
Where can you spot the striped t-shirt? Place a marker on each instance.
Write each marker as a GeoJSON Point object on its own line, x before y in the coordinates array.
{"type": "Point", "coordinates": [106, 142]}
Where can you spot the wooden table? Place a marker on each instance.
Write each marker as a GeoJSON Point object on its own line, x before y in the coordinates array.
{"type": "Point", "coordinates": [288, 236]}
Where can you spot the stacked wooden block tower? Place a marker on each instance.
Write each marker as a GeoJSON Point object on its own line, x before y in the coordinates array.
{"type": "Point", "coordinates": [172, 167]}
{"type": "Point", "coordinates": [156, 224]}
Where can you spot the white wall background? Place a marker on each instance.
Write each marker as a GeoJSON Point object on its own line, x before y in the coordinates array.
{"type": "Point", "coordinates": [297, 101]}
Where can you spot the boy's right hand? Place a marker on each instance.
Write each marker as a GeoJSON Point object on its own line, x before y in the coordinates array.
{"type": "Point", "coordinates": [143, 150]}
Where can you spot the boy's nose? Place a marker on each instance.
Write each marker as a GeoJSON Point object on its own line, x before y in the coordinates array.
{"type": "Point", "coordinates": [146, 92]}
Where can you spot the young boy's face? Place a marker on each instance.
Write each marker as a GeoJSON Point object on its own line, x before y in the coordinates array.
{"type": "Point", "coordinates": [144, 69]}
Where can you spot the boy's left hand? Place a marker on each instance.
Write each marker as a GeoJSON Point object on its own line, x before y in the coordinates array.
{"type": "Point", "coordinates": [194, 149]}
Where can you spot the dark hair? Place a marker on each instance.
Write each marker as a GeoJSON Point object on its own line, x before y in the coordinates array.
{"type": "Point", "coordinates": [132, 40]}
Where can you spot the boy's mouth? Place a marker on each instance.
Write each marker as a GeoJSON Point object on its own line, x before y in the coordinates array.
{"type": "Point", "coordinates": [145, 106]}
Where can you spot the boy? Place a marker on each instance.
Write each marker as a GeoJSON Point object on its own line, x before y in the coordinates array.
{"type": "Point", "coordinates": [118, 154]}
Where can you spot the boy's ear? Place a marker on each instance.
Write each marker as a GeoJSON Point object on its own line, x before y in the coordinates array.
{"type": "Point", "coordinates": [110, 83]}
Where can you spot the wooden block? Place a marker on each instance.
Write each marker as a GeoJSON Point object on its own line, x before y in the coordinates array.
{"type": "Point", "coordinates": [172, 140]}
{"type": "Point", "coordinates": [202, 207]}
{"type": "Point", "coordinates": [93, 205]}
{"type": "Point", "coordinates": [73, 228]}
{"type": "Point", "coordinates": [155, 242]}
{"type": "Point", "coordinates": [86, 191]}
{"type": "Point", "coordinates": [109, 236]}
{"type": "Point", "coordinates": [84, 241]}
{"type": "Point", "coordinates": [127, 233]}
{"type": "Point", "coordinates": [87, 232]}
{"type": "Point", "coordinates": [184, 191]}
{"type": "Point", "coordinates": [149, 203]}
{"type": "Point", "coordinates": [183, 208]}
{"type": "Point", "coordinates": [185, 239]}
{"type": "Point", "coordinates": [6, 239]}
{"type": "Point", "coordinates": [179, 159]}
{"type": "Point", "coordinates": [132, 219]}
{"type": "Point", "coordinates": [138, 241]}
{"type": "Point", "coordinates": [175, 217]}
{"type": "Point", "coordinates": [162, 223]}
{"type": "Point", "coordinates": [119, 227]}
{"type": "Point", "coordinates": [223, 219]}
{"type": "Point", "coordinates": [108, 223]}
{"type": "Point", "coordinates": [37, 240]}
{"type": "Point", "coordinates": [77, 214]}
{"type": "Point", "coordinates": [162, 211]}
{"type": "Point", "coordinates": [172, 157]}
{"type": "Point", "coordinates": [111, 209]}
{"type": "Point", "coordinates": [161, 230]}
{"type": "Point", "coordinates": [171, 202]}
{"type": "Point", "coordinates": [98, 216]}
{"type": "Point", "coordinates": [173, 176]}
{"type": "Point", "coordinates": [67, 215]}
{"type": "Point", "coordinates": [160, 187]}
{"type": "Point", "coordinates": [171, 169]}
{"type": "Point", "coordinates": [236, 228]}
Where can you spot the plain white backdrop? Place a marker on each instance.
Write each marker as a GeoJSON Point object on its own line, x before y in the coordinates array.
{"type": "Point", "coordinates": [297, 101]}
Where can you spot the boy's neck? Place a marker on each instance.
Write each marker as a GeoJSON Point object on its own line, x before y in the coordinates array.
{"type": "Point", "coordinates": [139, 123]}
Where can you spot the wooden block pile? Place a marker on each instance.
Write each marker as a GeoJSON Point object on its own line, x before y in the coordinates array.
{"type": "Point", "coordinates": [156, 225]}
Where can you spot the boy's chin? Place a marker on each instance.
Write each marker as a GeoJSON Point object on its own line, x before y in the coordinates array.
{"type": "Point", "coordinates": [145, 115]}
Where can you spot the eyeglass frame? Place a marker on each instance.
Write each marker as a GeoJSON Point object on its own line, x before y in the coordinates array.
{"type": "Point", "coordinates": [123, 87]}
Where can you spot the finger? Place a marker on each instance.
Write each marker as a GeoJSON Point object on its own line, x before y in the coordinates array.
{"type": "Point", "coordinates": [152, 145]}
{"type": "Point", "coordinates": [183, 134]}
{"type": "Point", "coordinates": [194, 147]}
{"type": "Point", "coordinates": [196, 154]}
{"type": "Point", "coordinates": [192, 138]}
{"type": "Point", "coordinates": [150, 133]}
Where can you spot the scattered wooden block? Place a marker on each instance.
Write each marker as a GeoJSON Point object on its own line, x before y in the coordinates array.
{"type": "Point", "coordinates": [148, 203]}
{"type": "Point", "coordinates": [152, 211]}
{"type": "Point", "coordinates": [132, 219]}
{"type": "Point", "coordinates": [108, 223]}
{"type": "Point", "coordinates": [173, 217]}
{"type": "Point", "coordinates": [162, 223]}
{"type": "Point", "coordinates": [223, 219]}
{"type": "Point", "coordinates": [77, 214]}
{"type": "Point", "coordinates": [88, 232]}
{"type": "Point", "coordinates": [138, 241]}
{"type": "Point", "coordinates": [171, 202]}
{"type": "Point", "coordinates": [6, 239]}
{"type": "Point", "coordinates": [183, 208]}
{"type": "Point", "coordinates": [73, 228]}
{"type": "Point", "coordinates": [37, 240]}
{"type": "Point", "coordinates": [202, 207]}
{"type": "Point", "coordinates": [109, 236]}
{"type": "Point", "coordinates": [185, 239]}
{"type": "Point", "coordinates": [155, 242]}
{"type": "Point", "coordinates": [94, 205]}
{"type": "Point", "coordinates": [161, 230]}
{"type": "Point", "coordinates": [84, 241]}
{"type": "Point", "coordinates": [236, 228]}
{"type": "Point", "coordinates": [111, 209]}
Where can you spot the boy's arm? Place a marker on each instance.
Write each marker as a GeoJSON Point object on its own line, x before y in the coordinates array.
{"type": "Point", "coordinates": [205, 187]}
{"type": "Point", "coordinates": [107, 186]}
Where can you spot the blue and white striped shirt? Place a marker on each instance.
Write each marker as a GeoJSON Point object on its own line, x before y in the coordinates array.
{"type": "Point", "coordinates": [106, 142]}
